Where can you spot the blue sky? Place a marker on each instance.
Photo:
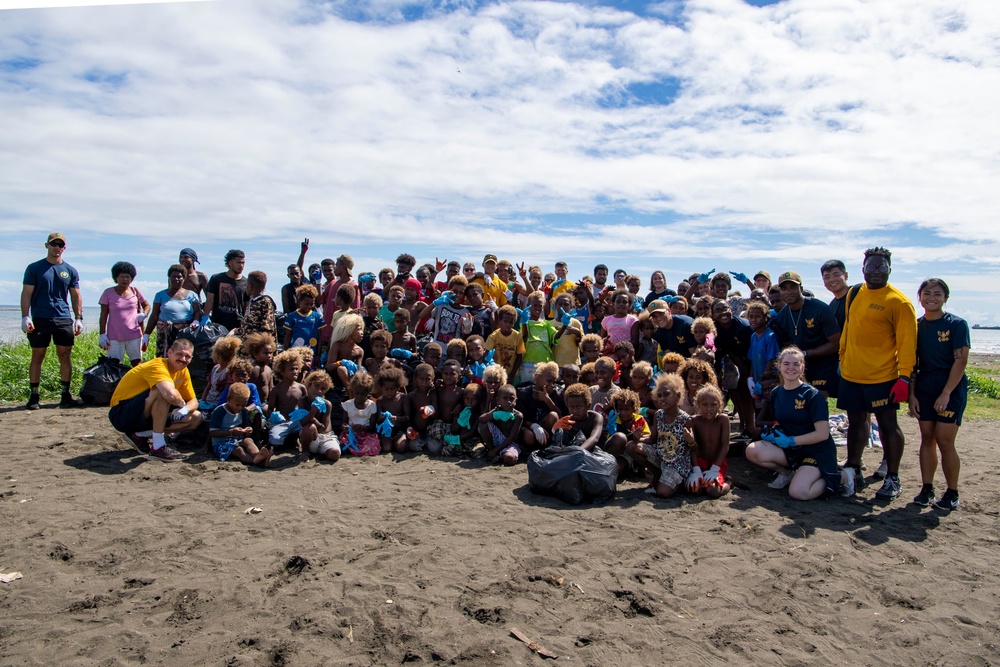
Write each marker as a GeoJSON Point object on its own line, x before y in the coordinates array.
{"type": "Point", "coordinates": [671, 135]}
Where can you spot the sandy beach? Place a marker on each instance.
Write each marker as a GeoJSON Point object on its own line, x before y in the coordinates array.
{"type": "Point", "coordinates": [416, 560]}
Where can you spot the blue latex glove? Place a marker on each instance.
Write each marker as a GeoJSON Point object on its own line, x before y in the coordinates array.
{"type": "Point", "coordinates": [385, 427]}
{"type": "Point", "coordinates": [638, 303]}
{"type": "Point", "coordinates": [488, 359]}
{"type": "Point", "coordinates": [503, 415]}
{"type": "Point", "coordinates": [670, 298]}
{"type": "Point", "coordinates": [352, 440]}
{"type": "Point", "coordinates": [611, 425]}
{"type": "Point", "coordinates": [758, 390]}
{"type": "Point", "coordinates": [465, 418]}
{"type": "Point", "coordinates": [400, 353]}
{"type": "Point", "coordinates": [557, 284]}
{"type": "Point", "coordinates": [276, 417]}
{"type": "Point", "coordinates": [477, 368]}
{"type": "Point", "coordinates": [705, 277]}
{"type": "Point", "coordinates": [525, 316]}
{"type": "Point", "coordinates": [297, 414]}
{"type": "Point", "coordinates": [656, 374]}
{"type": "Point", "coordinates": [317, 275]}
{"type": "Point", "coordinates": [351, 367]}
{"type": "Point", "coordinates": [319, 404]}
{"type": "Point", "coordinates": [322, 359]}
{"type": "Point", "coordinates": [742, 277]}
{"type": "Point", "coordinates": [453, 440]}
{"type": "Point", "coordinates": [205, 320]}
{"type": "Point", "coordinates": [205, 406]}
{"type": "Point", "coordinates": [772, 312]}
{"type": "Point", "coordinates": [776, 437]}
{"type": "Point", "coordinates": [446, 299]}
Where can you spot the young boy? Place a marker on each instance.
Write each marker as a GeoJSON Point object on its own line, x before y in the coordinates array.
{"type": "Point", "coordinates": [285, 397]}
{"type": "Point", "coordinates": [371, 305]}
{"type": "Point", "coordinates": [260, 348]}
{"type": "Point", "coordinates": [581, 427]}
{"type": "Point", "coordinates": [466, 426]}
{"type": "Point", "coordinates": [393, 302]}
{"type": "Point", "coordinates": [315, 437]}
{"type": "Point", "coordinates": [380, 343]}
{"type": "Point", "coordinates": [601, 393]}
{"type": "Point", "coordinates": [566, 342]}
{"type": "Point", "coordinates": [507, 341]}
{"type": "Point", "coordinates": [391, 383]}
{"type": "Point", "coordinates": [538, 335]}
{"type": "Point", "coordinates": [420, 410]}
{"type": "Point", "coordinates": [303, 326]}
{"type": "Point", "coordinates": [230, 429]}
{"type": "Point", "coordinates": [260, 311]}
{"type": "Point", "coordinates": [499, 428]}
{"type": "Point", "coordinates": [482, 317]}
{"type": "Point", "coordinates": [448, 401]}
{"type": "Point", "coordinates": [401, 337]}
{"type": "Point", "coordinates": [711, 434]}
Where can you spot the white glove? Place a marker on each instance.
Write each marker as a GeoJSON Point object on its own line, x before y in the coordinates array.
{"type": "Point", "coordinates": [540, 435]}
{"type": "Point", "coordinates": [145, 341]}
{"type": "Point", "coordinates": [711, 475]}
{"type": "Point", "coordinates": [140, 318]}
{"type": "Point", "coordinates": [694, 480]}
{"type": "Point", "coordinates": [78, 326]}
{"type": "Point", "coordinates": [103, 342]}
{"type": "Point", "coordinates": [492, 305]}
{"type": "Point", "coordinates": [27, 326]}
{"type": "Point", "coordinates": [750, 383]}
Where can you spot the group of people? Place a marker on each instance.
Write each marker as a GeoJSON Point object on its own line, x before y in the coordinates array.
{"type": "Point", "coordinates": [500, 359]}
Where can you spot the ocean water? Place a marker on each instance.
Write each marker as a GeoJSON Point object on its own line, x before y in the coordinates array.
{"type": "Point", "coordinates": [984, 341]}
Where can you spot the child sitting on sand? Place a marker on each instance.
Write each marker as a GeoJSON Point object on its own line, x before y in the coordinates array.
{"type": "Point", "coordinates": [499, 428]}
{"type": "Point", "coordinates": [696, 374]}
{"type": "Point", "coordinates": [494, 377]}
{"type": "Point", "coordinates": [223, 352]}
{"type": "Point", "coordinates": [285, 397]}
{"type": "Point", "coordinates": [391, 405]}
{"type": "Point", "coordinates": [315, 436]}
{"type": "Point", "coordinates": [345, 355]}
{"type": "Point", "coordinates": [581, 427]}
{"type": "Point", "coordinates": [666, 451]}
{"type": "Point", "coordinates": [230, 430]}
{"type": "Point", "coordinates": [711, 433]}
{"type": "Point", "coordinates": [421, 410]}
{"type": "Point", "coordinates": [260, 348]}
{"type": "Point", "coordinates": [358, 436]}
{"type": "Point", "coordinates": [466, 426]}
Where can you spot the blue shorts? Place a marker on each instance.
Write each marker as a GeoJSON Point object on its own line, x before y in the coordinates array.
{"type": "Point", "coordinates": [823, 456]}
{"type": "Point", "coordinates": [929, 386]}
{"type": "Point", "coordinates": [128, 416]}
{"type": "Point", "coordinates": [823, 375]}
{"type": "Point", "coordinates": [857, 397]}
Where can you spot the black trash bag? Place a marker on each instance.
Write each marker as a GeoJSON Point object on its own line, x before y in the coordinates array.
{"type": "Point", "coordinates": [100, 380]}
{"type": "Point", "coordinates": [573, 474]}
{"type": "Point", "coordinates": [203, 338]}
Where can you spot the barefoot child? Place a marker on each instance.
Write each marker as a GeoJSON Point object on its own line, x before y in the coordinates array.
{"type": "Point", "coordinates": [666, 451]}
{"type": "Point", "coordinates": [448, 400]}
{"type": "Point", "coordinates": [465, 426]}
{"type": "Point", "coordinates": [358, 436]}
{"type": "Point", "coordinates": [315, 437]}
{"type": "Point", "coordinates": [230, 429]}
{"type": "Point", "coordinates": [507, 341]}
{"type": "Point", "coordinates": [420, 411]}
{"type": "Point", "coordinates": [494, 377]}
{"type": "Point", "coordinates": [303, 327]}
{"type": "Point", "coordinates": [284, 398]}
{"type": "Point", "coordinates": [260, 347]}
{"type": "Point", "coordinates": [391, 405]}
{"type": "Point", "coordinates": [625, 425]}
{"type": "Point", "coordinates": [223, 352]}
{"type": "Point", "coordinates": [345, 355]}
{"type": "Point", "coordinates": [499, 428]}
{"type": "Point", "coordinates": [711, 435]}
{"type": "Point", "coordinates": [581, 427]}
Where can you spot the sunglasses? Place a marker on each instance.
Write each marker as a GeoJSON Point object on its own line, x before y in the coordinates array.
{"type": "Point", "coordinates": [57, 244]}
{"type": "Point", "coordinates": [469, 269]}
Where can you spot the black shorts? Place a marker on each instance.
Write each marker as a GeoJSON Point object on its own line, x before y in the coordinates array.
{"type": "Point", "coordinates": [823, 456]}
{"type": "Point", "coordinates": [823, 375]}
{"type": "Point", "coordinates": [857, 397]}
{"type": "Point", "coordinates": [52, 329]}
{"type": "Point", "coordinates": [128, 416]}
{"type": "Point", "coordinates": [929, 386]}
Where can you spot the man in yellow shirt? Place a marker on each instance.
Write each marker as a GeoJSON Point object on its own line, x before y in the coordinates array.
{"type": "Point", "coordinates": [493, 287]}
{"type": "Point", "coordinates": [878, 349]}
{"type": "Point", "coordinates": [156, 398]}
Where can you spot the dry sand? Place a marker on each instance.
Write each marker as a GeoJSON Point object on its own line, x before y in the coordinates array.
{"type": "Point", "coordinates": [384, 561]}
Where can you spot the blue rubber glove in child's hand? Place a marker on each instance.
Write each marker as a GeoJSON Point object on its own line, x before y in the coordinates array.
{"type": "Point", "coordinates": [656, 374]}
{"type": "Point", "coordinates": [488, 359]}
{"type": "Point", "coordinates": [465, 418]}
{"type": "Point", "coordinates": [669, 298]}
{"type": "Point", "coordinates": [297, 414]}
{"type": "Point", "coordinates": [742, 277]}
{"type": "Point", "coordinates": [384, 427]}
{"type": "Point", "coordinates": [525, 315]}
{"type": "Point", "coordinates": [611, 426]}
{"type": "Point", "coordinates": [276, 417]}
{"type": "Point", "coordinates": [351, 367]}
{"type": "Point", "coordinates": [557, 284]}
{"type": "Point", "coordinates": [705, 277]}
{"type": "Point", "coordinates": [772, 313]}
{"type": "Point", "coordinates": [453, 440]}
{"type": "Point", "coordinates": [477, 368]}
{"type": "Point", "coordinates": [565, 318]}
{"type": "Point", "coordinates": [352, 439]}
{"type": "Point", "coordinates": [322, 359]}
{"type": "Point", "coordinates": [205, 320]}
{"type": "Point", "coordinates": [320, 404]}
{"type": "Point", "coordinates": [400, 353]}
{"type": "Point", "coordinates": [446, 299]}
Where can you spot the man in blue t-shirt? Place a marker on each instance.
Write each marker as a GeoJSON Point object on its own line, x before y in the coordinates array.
{"type": "Point", "coordinates": [48, 286]}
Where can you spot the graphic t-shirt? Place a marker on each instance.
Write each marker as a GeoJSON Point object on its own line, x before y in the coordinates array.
{"type": "Point", "coordinates": [230, 299]}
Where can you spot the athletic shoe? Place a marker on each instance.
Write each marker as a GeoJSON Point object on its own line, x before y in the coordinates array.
{"type": "Point", "coordinates": [882, 470]}
{"type": "Point", "coordinates": [140, 445]}
{"type": "Point", "coordinates": [33, 402]}
{"type": "Point", "coordinates": [925, 497]}
{"type": "Point", "coordinates": [859, 480]}
{"type": "Point", "coordinates": [847, 487]}
{"type": "Point", "coordinates": [782, 480]}
{"type": "Point", "coordinates": [166, 453]}
{"type": "Point", "coordinates": [890, 489]}
{"type": "Point", "coordinates": [67, 401]}
{"type": "Point", "coordinates": [947, 502]}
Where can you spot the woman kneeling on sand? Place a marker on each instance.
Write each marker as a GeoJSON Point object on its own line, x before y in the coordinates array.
{"type": "Point", "coordinates": [800, 448]}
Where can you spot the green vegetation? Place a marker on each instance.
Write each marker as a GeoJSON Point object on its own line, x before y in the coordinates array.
{"type": "Point", "coordinates": [980, 384]}
{"type": "Point", "coordinates": [15, 357]}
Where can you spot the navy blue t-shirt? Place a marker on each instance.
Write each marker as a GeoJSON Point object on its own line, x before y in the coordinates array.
{"type": "Point", "coordinates": [808, 327]}
{"type": "Point", "coordinates": [52, 283]}
{"type": "Point", "coordinates": [839, 307]}
{"type": "Point", "coordinates": [798, 410]}
{"type": "Point", "coordinates": [734, 341]}
{"type": "Point", "coordinates": [678, 338]}
{"type": "Point", "coordinates": [937, 341]}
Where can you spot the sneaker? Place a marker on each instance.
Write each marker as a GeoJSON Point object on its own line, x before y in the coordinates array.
{"type": "Point", "coordinates": [140, 444]}
{"type": "Point", "coordinates": [67, 401]}
{"type": "Point", "coordinates": [166, 453]}
{"type": "Point", "coordinates": [890, 489]}
{"type": "Point", "coordinates": [859, 480]}
{"type": "Point", "coordinates": [882, 470]}
{"type": "Point", "coordinates": [947, 502]}
{"type": "Point", "coordinates": [782, 480]}
{"type": "Point", "coordinates": [847, 484]}
{"type": "Point", "coordinates": [924, 497]}
{"type": "Point", "coordinates": [33, 402]}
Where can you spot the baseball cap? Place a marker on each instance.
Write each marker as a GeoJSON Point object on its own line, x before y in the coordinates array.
{"type": "Point", "coordinates": [190, 253]}
{"type": "Point", "coordinates": [762, 273]}
{"type": "Point", "coordinates": [790, 277]}
{"type": "Point", "coordinates": [54, 236]}
{"type": "Point", "coordinates": [657, 306]}
{"type": "Point", "coordinates": [490, 258]}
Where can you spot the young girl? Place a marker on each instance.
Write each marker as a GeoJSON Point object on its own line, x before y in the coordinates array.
{"type": "Point", "coordinates": [391, 406]}
{"type": "Point", "coordinates": [647, 346]}
{"type": "Point", "coordinates": [696, 374]}
{"type": "Point", "coordinates": [315, 437]}
{"type": "Point", "coordinates": [358, 436]}
{"type": "Point", "coordinates": [703, 330]}
{"type": "Point", "coordinates": [494, 377]}
{"type": "Point", "coordinates": [938, 391]}
{"type": "Point", "coordinates": [666, 451]}
{"type": "Point", "coordinates": [625, 425]}
{"type": "Point", "coordinates": [284, 398]}
{"type": "Point", "coordinates": [618, 326]}
{"type": "Point", "coordinates": [801, 449]}
{"type": "Point", "coordinates": [230, 430]}
{"type": "Point", "coordinates": [640, 378]}
{"type": "Point", "coordinates": [711, 434]}
{"type": "Point", "coordinates": [590, 348]}
{"type": "Point", "coordinates": [345, 355]}
{"type": "Point", "coordinates": [764, 348]}
{"type": "Point", "coordinates": [123, 310]}
{"type": "Point", "coordinates": [260, 348]}
{"type": "Point", "coordinates": [223, 352]}
{"type": "Point", "coordinates": [465, 426]}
